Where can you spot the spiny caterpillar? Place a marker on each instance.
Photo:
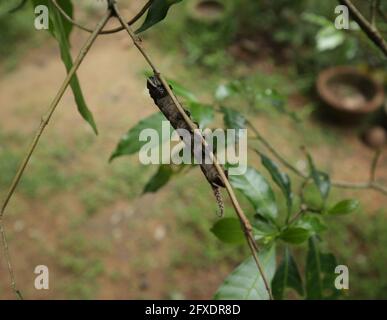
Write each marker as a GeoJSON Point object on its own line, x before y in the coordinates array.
{"type": "Point", "coordinates": [166, 105]}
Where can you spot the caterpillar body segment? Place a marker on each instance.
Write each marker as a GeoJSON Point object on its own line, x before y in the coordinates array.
{"type": "Point", "coordinates": [166, 105]}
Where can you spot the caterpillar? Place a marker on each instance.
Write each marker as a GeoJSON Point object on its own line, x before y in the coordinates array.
{"type": "Point", "coordinates": [167, 106]}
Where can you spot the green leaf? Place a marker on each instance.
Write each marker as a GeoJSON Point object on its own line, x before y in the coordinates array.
{"type": "Point", "coordinates": [222, 92]}
{"type": "Point", "coordinates": [344, 207]}
{"type": "Point", "coordinates": [60, 29]}
{"type": "Point", "coordinates": [313, 223]}
{"type": "Point", "coordinates": [280, 178]}
{"type": "Point", "coordinates": [181, 91]}
{"type": "Point", "coordinates": [257, 190]}
{"type": "Point", "coordinates": [156, 13]}
{"type": "Point", "coordinates": [202, 114]}
{"type": "Point", "coordinates": [278, 101]}
{"type": "Point", "coordinates": [245, 282]}
{"type": "Point", "coordinates": [272, 96]}
{"type": "Point", "coordinates": [159, 179]}
{"type": "Point", "coordinates": [54, 19]}
{"type": "Point", "coordinates": [233, 119]}
{"type": "Point", "coordinates": [295, 235]}
{"type": "Point", "coordinates": [130, 143]}
{"type": "Point", "coordinates": [263, 228]}
{"type": "Point", "coordinates": [329, 38]}
{"type": "Point", "coordinates": [316, 19]}
{"type": "Point", "coordinates": [262, 223]}
{"type": "Point", "coordinates": [320, 179]}
{"type": "Point", "coordinates": [320, 273]}
{"type": "Point", "coordinates": [19, 6]}
{"type": "Point", "coordinates": [287, 276]}
{"type": "Point", "coordinates": [228, 230]}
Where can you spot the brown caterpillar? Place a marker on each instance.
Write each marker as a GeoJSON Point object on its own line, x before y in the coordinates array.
{"type": "Point", "coordinates": [166, 105]}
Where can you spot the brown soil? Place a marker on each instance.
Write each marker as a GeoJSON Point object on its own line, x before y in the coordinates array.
{"type": "Point", "coordinates": [112, 82]}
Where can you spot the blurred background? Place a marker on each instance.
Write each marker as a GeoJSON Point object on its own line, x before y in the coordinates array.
{"type": "Point", "coordinates": [90, 222]}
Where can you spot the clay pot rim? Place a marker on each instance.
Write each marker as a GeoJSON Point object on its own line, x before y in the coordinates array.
{"type": "Point", "coordinates": [332, 100]}
{"type": "Point", "coordinates": [192, 8]}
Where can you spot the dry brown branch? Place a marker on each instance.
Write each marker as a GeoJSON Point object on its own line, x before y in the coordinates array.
{"type": "Point", "coordinates": [44, 122]}
{"type": "Point", "coordinates": [103, 32]}
{"type": "Point", "coordinates": [371, 184]}
{"type": "Point", "coordinates": [241, 215]}
{"type": "Point", "coordinates": [369, 28]}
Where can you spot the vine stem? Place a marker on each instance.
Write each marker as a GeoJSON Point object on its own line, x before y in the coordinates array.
{"type": "Point", "coordinates": [44, 122]}
{"type": "Point", "coordinates": [241, 215]}
{"type": "Point", "coordinates": [371, 184]}
{"type": "Point", "coordinates": [103, 32]}
{"type": "Point", "coordinates": [8, 260]}
{"type": "Point", "coordinates": [374, 164]}
{"type": "Point", "coordinates": [369, 28]}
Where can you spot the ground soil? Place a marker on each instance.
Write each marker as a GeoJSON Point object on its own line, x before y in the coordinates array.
{"type": "Point", "coordinates": [113, 84]}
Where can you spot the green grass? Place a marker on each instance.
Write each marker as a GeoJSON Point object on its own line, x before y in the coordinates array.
{"type": "Point", "coordinates": [359, 242]}
{"type": "Point", "coordinates": [196, 211]}
{"type": "Point", "coordinates": [77, 258]}
{"type": "Point", "coordinates": [18, 34]}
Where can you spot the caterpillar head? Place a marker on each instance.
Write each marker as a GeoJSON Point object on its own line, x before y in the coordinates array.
{"type": "Point", "coordinates": [156, 88]}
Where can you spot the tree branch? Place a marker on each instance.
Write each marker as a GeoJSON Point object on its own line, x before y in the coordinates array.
{"type": "Point", "coordinates": [371, 184]}
{"type": "Point", "coordinates": [374, 164]}
{"type": "Point", "coordinates": [370, 30]}
{"type": "Point", "coordinates": [45, 120]}
{"type": "Point", "coordinates": [8, 260]}
{"type": "Point", "coordinates": [267, 144]}
{"type": "Point", "coordinates": [103, 32]}
{"type": "Point", "coordinates": [242, 217]}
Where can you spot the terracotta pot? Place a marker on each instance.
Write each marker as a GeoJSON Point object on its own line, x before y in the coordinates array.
{"type": "Point", "coordinates": [349, 93]}
{"type": "Point", "coordinates": [207, 11]}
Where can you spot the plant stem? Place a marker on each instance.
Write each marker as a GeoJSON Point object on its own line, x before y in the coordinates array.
{"type": "Point", "coordinates": [372, 185]}
{"type": "Point", "coordinates": [242, 217]}
{"type": "Point", "coordinates": [266, 143]}
{"type": "Point", "coordinates": [45, 120]}
{"type": "Point", "coordinates": [103, 32]}
{"type": "Point", "coordinates": [8, 260]}
{"type": "Point", "coordinates": [374, 164]}
{"type": "Point", "coordinates": [370, 30]}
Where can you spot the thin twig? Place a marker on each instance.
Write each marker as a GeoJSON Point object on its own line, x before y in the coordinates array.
{"type": "Point", "coordinates": [242, 217]}
{"type": "Point", "coordinates": [103, 32]}
{"type": "Point", "coordinates": [302, 210]}
{"type": "Point", "coordinates": [45, 120]}
{"type": "Point", "coordinates": [371, 185]}
{"type": "Point", "coordinates": [8, 260]}
{"type": "Point", "coordinates": [361, 185]}
{"type": "Point", "coordinates": [267, 144]}
{"type": "Point", "coordinates": [43, 124]}
{"type": "Point", "coordinates": [374, 164]}
{"type": "Point", "coordinates": [370, 30]}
